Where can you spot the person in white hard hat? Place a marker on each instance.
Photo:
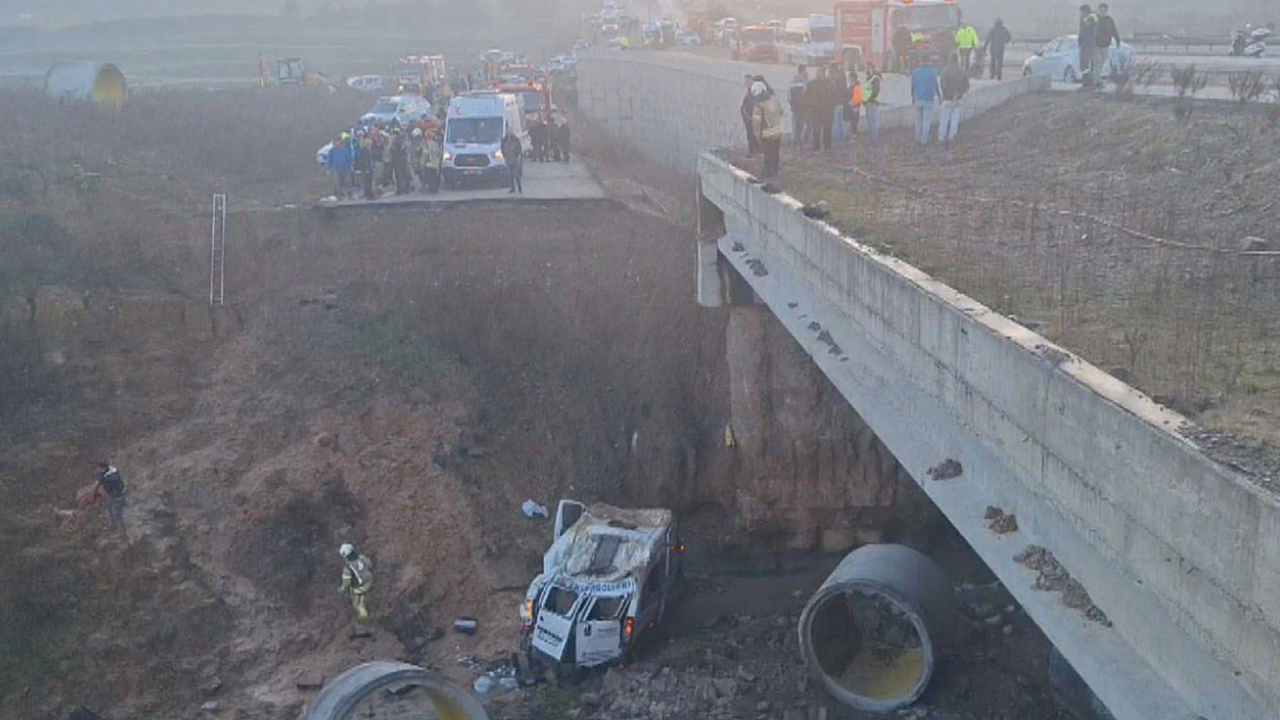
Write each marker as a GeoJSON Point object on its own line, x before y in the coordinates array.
{"type": "Point", "coordinates": [357, 579]}
{"type": "Point", "coordinates": [767, 125]}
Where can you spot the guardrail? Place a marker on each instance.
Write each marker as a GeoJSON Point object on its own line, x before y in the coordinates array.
{"type": "Point", "coordinates": [1156, 43]}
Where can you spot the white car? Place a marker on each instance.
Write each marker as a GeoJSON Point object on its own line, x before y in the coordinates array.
{"type": "Point", "coordinates": [1060, 60]}
{"type": "Point", "coordinates": [605, 580]}
{"type": "Point", "coordinates": [366, 83]}
{"type": "Point", "coordinates": [405, 109]}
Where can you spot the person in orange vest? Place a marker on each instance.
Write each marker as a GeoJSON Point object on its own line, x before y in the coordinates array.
{"type": "Point", "coordinates": [855, 100]}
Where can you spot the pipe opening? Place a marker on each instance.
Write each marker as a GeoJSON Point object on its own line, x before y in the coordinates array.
{"type": "Point", "coordinates": [870, 646]}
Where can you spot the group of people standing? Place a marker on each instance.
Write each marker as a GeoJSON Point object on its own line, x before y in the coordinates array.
{"type": "Point", "coordinates": [1098, 34]}
{"type": "Point", "coordinates": [965, 42]}
{"type": "Point", "coordinates": [550, 138]}
{"type": "Point", "coordinates": [826, 109]}
{"type": "Point", "coordinates": [369, 159]}
{"type": "Point", "coordinates": [939, 93]}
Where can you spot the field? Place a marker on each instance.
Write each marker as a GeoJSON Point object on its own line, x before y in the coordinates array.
{"type": "Point", "coordinates": [1140, 240]}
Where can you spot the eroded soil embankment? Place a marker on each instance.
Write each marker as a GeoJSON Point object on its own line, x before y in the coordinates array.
{"type": "Point", "coordinates": [401, 380]}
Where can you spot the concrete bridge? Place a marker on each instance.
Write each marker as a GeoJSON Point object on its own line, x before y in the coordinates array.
{"type": "Point", "coordinates": [1172, 609]}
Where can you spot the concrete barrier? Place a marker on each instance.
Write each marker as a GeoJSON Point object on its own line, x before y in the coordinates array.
{"type": "Point", "coordinates": [1181, 554]}
{"type": "Point", "coordinates": [674, 106]}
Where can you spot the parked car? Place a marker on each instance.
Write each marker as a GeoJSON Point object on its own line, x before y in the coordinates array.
{"type": "Point", "coordinates": [688, 39]}
{"type": "Point", "coordinates": [366, 83]}
{"type": "Point", "coordinates": [606, 580]}
{"type": "Point", "coordinates": [404, 109]}
{"type": "Point", "coordinates": [1059, 59]}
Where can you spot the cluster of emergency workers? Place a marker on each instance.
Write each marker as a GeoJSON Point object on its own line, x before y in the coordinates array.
{"type": "Point", "coordinates": [367, 159]}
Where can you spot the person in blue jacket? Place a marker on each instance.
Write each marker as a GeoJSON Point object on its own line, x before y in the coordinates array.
{"type": "Point", "coordinates": [924, 96]}
{"type": "Point", "coordinates": [340, 164]}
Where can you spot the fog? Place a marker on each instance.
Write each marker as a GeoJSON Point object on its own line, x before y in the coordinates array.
{"type": "Point", "coordinates": [1030, 16]}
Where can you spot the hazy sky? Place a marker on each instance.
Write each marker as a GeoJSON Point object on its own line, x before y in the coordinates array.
{"type": "Point", "coordinates": [62, 12]}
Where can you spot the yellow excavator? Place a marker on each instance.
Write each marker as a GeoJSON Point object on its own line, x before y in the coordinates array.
{"type": "Point", "coordinates": [289, 71]}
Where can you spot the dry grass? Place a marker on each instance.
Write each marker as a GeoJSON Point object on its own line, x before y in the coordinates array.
{"type": "Point", "coordinates": [1109, 227]}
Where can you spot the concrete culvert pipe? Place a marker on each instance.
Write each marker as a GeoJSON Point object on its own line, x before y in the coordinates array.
{"type": "Point", "coordinates": [100, 83]}
{"type": "Point", "coordinates": [389, 690]}
{"type": "Point", "coordinates": [873, 631]}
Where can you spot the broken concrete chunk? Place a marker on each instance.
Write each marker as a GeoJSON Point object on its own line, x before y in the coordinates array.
{"type": "Point", "coordinates": [947, 469]}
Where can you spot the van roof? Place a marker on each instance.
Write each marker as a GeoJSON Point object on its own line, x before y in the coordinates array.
{"type": "Point", "coordinates": [608, 544]}
{"type": "Point", "coordinates": [480, 101]}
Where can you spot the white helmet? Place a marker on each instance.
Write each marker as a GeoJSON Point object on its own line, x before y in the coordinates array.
{"type": "Point", "coordinates": [347, 551]}
{"type": "Point", "coordinates": [417, 132]}
{"type": "Point", "coordinates": [758, 88]}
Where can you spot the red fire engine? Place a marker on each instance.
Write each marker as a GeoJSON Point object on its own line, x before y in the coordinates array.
{"type": "Point", "coordinates": [893, 34]}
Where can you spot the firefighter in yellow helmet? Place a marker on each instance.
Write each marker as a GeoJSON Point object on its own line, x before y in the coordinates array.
{"type": "Point", "coordinates": [357, 579]}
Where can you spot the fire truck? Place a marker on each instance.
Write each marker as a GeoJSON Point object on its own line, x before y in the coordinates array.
{"type": "Point", "coordinates": [413, 73]}
{"type": "Point", "coordinates": [867, 29]}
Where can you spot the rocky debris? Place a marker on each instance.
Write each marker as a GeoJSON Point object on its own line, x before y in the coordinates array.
{"type": "Point", "coordinates": [309, 680]}
{"type": "Point", "coordinates": [1052, 577]}
{"type": "Point", "coordinates": [817, 211]}
{"type": "Point", "coordinates": [1258, 461]}
{"type": "Point", "coordinates": [757, 267]}
{"type": "Point", "coordinates": [947, 469]}
{"type": "Point", "coordinates": [1057, 356]}
{"type": "Point", "coordinates": [1000, 522]}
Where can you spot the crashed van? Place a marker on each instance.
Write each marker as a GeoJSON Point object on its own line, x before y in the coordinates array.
{"type": "Point", "coordinates": [605, 580]}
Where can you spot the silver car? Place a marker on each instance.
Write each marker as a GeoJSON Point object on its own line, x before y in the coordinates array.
{"type": "Point", "coordinates": [1059, 59]}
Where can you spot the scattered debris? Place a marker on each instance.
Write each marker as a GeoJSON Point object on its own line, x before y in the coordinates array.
{"type": "Point", "coordinates": [466, 625]}
{"type": "Point", "coordinates": [771, 188]}
{"type": "Point", "coordinates": [947, 469]}
{"type": "Point", "coordinates": [739, 247]}
{"type": "Point", "coordinates": [309, 680]}
{"type": "Point", "coordinates": [532, 509]}
{"type": "Point", "coordinates": [327, 301]}
{"type": "Point", "coordinates": [757, 267]}
{"type": "Point", "coordinates": [816, 211]}
{"type": "Point", "coordinates": [1252, 243]}
{"type": "Point", "coordinates": [1057, 356]}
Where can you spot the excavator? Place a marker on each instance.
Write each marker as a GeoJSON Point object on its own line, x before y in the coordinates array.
{"type": "Point", "coordinates": [289, 71]}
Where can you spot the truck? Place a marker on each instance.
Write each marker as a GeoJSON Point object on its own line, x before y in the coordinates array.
{"type": "Point", "coordinates": [809, 40]}
{"type": "Point", "coordinates": [866, 31]}
{"type": "Point", "coordinates": [757, 43]}
{"type": "Point", "coordinates": [607, 578]}
{"type": "Point", "coordinates": [413, 73]}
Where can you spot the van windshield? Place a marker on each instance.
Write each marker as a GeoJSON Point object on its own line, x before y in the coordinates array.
{"type": "Point", "coordinates": [531, 102]}
{"type": "Point", "coordinates": [384, 106]}
{"type": "Point", "coordinates": [485, 131]}
{"type": "Point", "coordinates": [822, 34]}
{"type": "Point", "coordinates": [926, 17]}
{"type": "Point", "coordinates": [758, 35]}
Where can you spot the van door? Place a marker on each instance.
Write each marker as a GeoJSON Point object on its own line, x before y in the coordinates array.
{"type": "Point", "coordinates": [567, 513]}
{"type": "Point", "coordinates": [599, 631]}
{"type": "Point", "coordinates": [553, 627]}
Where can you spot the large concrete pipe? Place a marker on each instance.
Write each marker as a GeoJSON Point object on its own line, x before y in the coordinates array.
{"type": "Point", "coordinates": [873, 632]}
{"type": "Point", "coordinates": [384, 689]}
{"type": "Point", "coordinates": [99, 83]}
